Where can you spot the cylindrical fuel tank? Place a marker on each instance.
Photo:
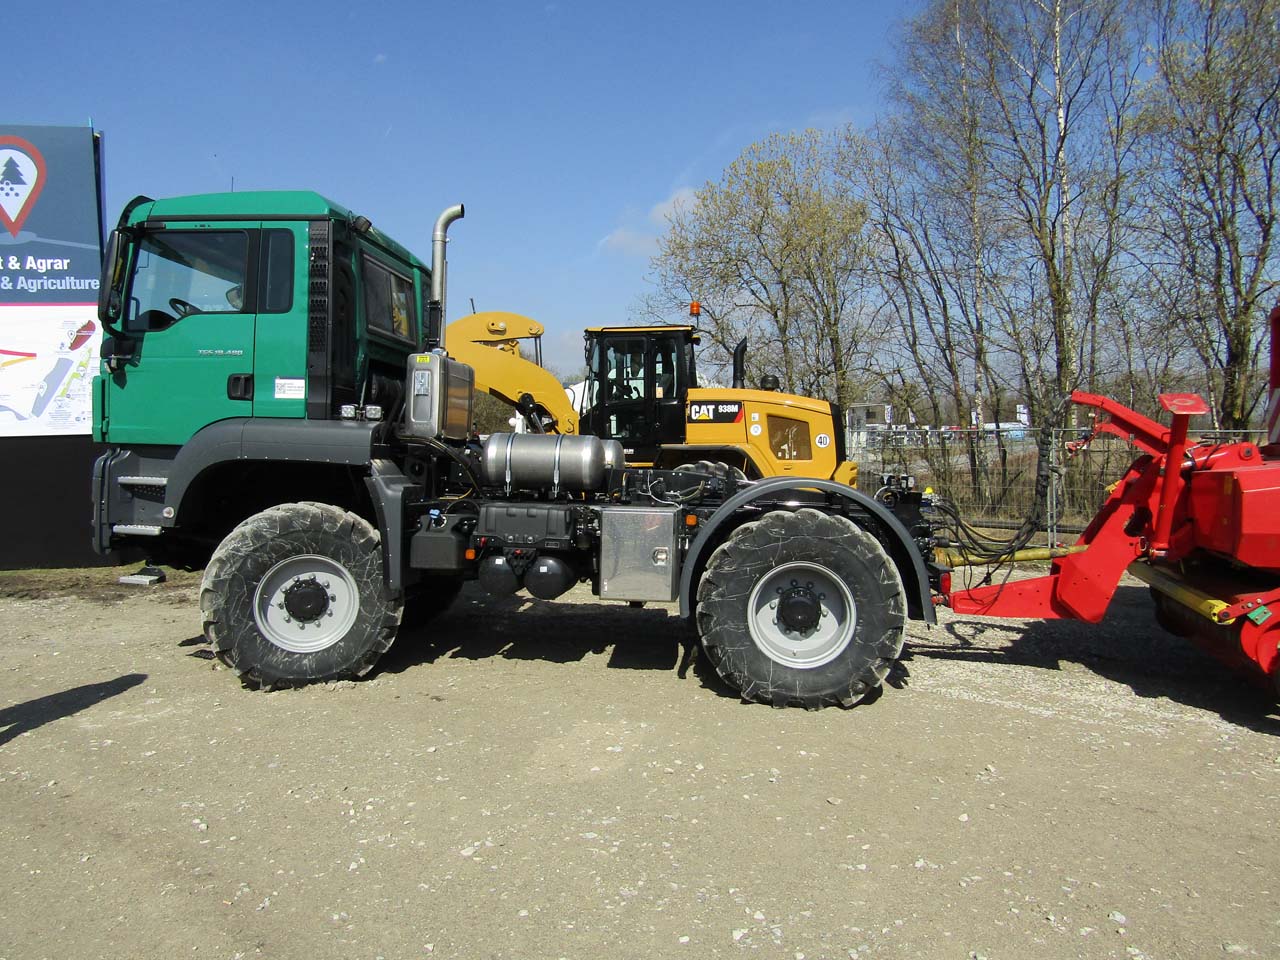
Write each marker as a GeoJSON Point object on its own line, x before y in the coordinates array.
{"type": "Point", "coordinates": [614, 456]}
{"type": "Point", "coordinates": [541, 460]}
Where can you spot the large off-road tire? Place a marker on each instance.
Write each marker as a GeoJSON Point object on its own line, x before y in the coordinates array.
{"type": "Point", "coordinates": [296, 594]}
{"type": "Point", "coordinates": [717, 468]}
{"type": "Point", "coordinates": [1172, 616]}
{"type": "Point", "coordinates": [801, 609]}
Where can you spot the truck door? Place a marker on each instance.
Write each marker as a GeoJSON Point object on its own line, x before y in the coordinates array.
{"type": "Point", "coordinates": [187, 356]}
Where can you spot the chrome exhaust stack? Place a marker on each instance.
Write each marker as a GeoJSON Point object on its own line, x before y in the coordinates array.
{"type": "Point", "coordinates": [436, 305]}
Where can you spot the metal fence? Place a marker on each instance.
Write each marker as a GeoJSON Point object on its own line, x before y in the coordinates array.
{"type": "Point", "coordinates": [990, 475]}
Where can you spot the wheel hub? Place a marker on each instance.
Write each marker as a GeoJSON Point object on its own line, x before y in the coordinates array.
{"type": "Point", "coordinates": [799, 610]}
{"type": "Point", "coordinates": [306, 599]}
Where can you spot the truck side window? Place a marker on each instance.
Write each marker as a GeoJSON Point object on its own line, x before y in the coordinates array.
{"type": "Point", "coordinates": [275, 276]}
{"type": "Point", "coordinates": [180, 273]}
{"type": "Point", "coordinates": [388, 301]}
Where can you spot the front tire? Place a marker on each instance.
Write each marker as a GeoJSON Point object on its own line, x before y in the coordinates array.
{"type": "Point", "coordinates": [801, 609]}
{"type": "Point", "coordinates": [296, 594]}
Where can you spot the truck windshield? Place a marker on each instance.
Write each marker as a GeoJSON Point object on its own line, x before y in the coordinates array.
{"type": "Point", "coordinates": [179, 273]}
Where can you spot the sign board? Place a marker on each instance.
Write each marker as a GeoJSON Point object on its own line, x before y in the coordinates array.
{"type": "Point", "coordinates": [50, 259]}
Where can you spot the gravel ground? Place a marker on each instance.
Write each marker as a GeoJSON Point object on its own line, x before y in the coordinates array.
{"type": "Point", "coordinates": [525, 779]}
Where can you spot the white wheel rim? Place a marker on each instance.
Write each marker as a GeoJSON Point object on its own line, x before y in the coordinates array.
{"type": "Point", "coordinates": [306, 635]}
{"type": "Point", "coordinates": [802, 649]}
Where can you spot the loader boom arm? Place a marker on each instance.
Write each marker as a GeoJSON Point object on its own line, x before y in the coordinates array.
{"type": "Point", "coordinates": [489, 343]}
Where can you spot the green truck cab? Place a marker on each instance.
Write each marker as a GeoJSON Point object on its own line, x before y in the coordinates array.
{"type": "Point", "coordinates": [260, 329]}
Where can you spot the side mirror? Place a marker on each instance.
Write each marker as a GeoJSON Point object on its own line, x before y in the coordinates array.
{"type": "Point", "coordinates": [111, 287]}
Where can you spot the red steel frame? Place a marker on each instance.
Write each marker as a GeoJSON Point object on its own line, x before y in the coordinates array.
{"type": "Point", "coordinates": [1146, 517]}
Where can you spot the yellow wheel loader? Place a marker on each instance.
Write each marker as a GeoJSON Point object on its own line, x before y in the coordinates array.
{"type": "Point", "coordinates": [642, 390]}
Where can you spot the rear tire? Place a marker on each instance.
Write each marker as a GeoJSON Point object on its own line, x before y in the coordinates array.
{"type": "Point", "coordinates": [296, 594]}
{"type": "Point", "coordinates": [717, 468]}
{"type": "Point", "coordinates": [801, 609]}
{"type": "Point", "coordinates": [1171, 616]}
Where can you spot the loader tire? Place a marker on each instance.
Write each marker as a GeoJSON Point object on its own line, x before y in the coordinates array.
{"type": "Point", "coordinates": [714, 468]}
{"type": "Point", "coordinates": [801, 609]}
{"type": "Point", "coordinates": [295, 594]}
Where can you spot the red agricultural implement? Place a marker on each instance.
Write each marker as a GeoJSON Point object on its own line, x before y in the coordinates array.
{"type": "Point", "coordinates": [1199, 523]}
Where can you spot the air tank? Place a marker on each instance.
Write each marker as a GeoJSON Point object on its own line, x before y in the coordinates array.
{"type": "Point", "coordinates": [497, 577]}
{"type": "Point", "coordinates": [548, 577]}
{"type": "Point", "coordinates": [534, 461]}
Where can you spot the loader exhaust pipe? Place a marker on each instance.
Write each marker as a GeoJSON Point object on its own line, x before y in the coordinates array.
{"type": "Point", "coordinates": [436, 305]}
{"type": "Point", "coordinates": [740, 365]}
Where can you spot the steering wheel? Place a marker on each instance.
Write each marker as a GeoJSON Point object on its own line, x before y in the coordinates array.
{"type": "Point", "coordinates": [182, 308]}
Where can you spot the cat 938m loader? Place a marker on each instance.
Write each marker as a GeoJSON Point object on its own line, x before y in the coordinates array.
{"type": "Point", "coordinates": [641, 389]}
{"type": "Point", "coordinates": [281, 409]}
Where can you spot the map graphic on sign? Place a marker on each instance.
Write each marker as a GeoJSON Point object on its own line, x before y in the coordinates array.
{"type": "Point", "coordinates": [22, 174]}
{"type": "Point", "coordinates": [50, 266]}
{"type": "Point", "coordinates": [47, 364]}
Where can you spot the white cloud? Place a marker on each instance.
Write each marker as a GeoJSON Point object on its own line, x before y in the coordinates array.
{"type": "Point", "coordinates": [632, 243]}
{"type": "Point", "coordinates": [379, 58]}
{"type": "Point", "coordinates": [640, 239]}
{"type": "Point", "coordinates": [684, 198]}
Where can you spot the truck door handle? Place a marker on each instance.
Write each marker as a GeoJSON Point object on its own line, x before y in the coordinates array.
{"type": "Point", "coordinates": [240, 386]}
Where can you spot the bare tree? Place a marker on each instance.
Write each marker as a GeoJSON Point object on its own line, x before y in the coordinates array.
{"type": "Point", "coordinates": [774, 252]}
{"type": "Point", "coordinates": [1212, 120]}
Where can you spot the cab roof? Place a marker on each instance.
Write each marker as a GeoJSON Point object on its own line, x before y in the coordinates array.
{"type": "Point", "coordinates": [659, 328]}
{"type": "Point", "coordinates": [258, 205]}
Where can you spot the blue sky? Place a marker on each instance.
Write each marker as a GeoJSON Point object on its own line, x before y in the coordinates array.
{"type": "Point", "coordinates": [565, 127]}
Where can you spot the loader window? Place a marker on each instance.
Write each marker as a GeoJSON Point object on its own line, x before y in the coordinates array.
{"type": "Point", "coordinates": [624, 363]}
{"type": "Point", "coordinates": [664, 369]}
{"type": "Point", "coordinates": [388, 301]}
{"type": "Point", "coordinates": [789, 438]}
{"type": "Point", "coordinates": [180, 273]}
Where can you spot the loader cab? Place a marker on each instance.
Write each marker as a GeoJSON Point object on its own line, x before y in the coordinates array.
{"type": "Point", "coordinates": [638, 379]}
